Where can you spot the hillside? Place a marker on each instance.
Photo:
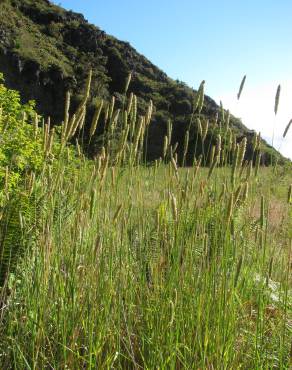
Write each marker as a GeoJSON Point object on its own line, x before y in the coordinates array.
{"type": "Point", "coordinates": [46, 50]}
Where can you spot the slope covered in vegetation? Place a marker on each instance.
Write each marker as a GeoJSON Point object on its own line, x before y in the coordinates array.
{"type": "Point", "coordinates": [46, 50]}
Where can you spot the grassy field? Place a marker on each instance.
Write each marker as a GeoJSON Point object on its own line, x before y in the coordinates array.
{"type": "Point", "coordinates": [130, 266]}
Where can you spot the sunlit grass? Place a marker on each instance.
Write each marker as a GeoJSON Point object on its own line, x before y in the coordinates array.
{"type": "Point", "coordinates": [156, 267]}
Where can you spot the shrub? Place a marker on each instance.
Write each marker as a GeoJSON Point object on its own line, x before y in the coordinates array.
{"type": "Point", "coordinates": [21, 148]}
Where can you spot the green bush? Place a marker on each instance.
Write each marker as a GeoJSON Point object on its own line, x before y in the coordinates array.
{"type": "Point", "coordinates": [25, 148]}
{"type": "Point", "coordinates": [21, 148]}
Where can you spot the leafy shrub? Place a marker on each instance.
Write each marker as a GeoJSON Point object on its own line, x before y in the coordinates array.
{"type": "Point", "coordinates": [23, 154]}
{"type": "Point", "coordinates": [21, 150]}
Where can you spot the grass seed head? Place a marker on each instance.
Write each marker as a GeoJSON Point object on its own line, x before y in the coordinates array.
{"type": "Point", "coordinates": [112, 107]}
{"type": "Point", "coordinates": [130, 102]}
{"type": "Point", "coordinates": [165, 146]}
{"type": "Point", "coordinates": [36, 125]}
{"type": "Point", "coordinates": [197, 167]}
{"type": "Point", "coordinates": [277, 99]}
{"type": "Point", "coordinates": [88, 84]}
{"type": "Point", "coordinates": [241, 87]}
{"type": "Point", "coordinates": [216, 118]}
{"type": "Point", "coordinates": [245, 192]}
{"type": "Point", "coordinates": [242, 150]}
{"type": "Point", "coordinates": [50, 142]}
{"type": "Point", "coordinates": [95, 118]}
{"type": "Point", "coordinates": [222, 112]}
{"type": "Point", "coordinates": [174, 166]}
{"type": "Point", "coordinates": [234, 165]}
{"type": "Point", "coordinates": [149, 113]}
{"type": "Point", "coordinates": [169, 130]}
{"type": "Point", "coordinates": [67, 107]}
{"type": "Point", "coordinates": [212, 155]}
{"type": "Point", "coordinates": [186, 142]}
{"type": "Point", "coordinates": [199, 124]}
{"type": "Point", "coordinates": [287, 128]}
{"type": "Point", "coordinates": [218, 145]}
{"type": "Point", "coordinates": [199, 98]}
{"type": "Point", "coordinates": [174, 147]}
{"type": "Point", "coordinates": [205, 128]}
{"type": "Point", "coordinates": [128, 82]}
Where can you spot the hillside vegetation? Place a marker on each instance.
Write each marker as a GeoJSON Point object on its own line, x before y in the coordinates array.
{"type": "Point", "coordinates": [46, 51]}
{"type": "Point", "coordinates": [112, 263]}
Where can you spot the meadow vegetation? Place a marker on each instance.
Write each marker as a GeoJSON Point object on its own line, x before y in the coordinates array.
{"type": "Point", "coordinates": [123, 264]}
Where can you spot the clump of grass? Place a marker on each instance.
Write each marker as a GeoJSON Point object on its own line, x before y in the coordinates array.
{"type": "Point", "coordinates": [135, 266]}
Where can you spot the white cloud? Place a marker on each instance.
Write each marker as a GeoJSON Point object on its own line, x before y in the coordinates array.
{"type": "Point", "coordinates": [256, 109]}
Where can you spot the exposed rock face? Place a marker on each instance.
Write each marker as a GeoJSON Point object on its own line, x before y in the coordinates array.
{"type": "Point", "coordinates": [46, 50]}
{"type": "Point", "coordinates": [46, 87]}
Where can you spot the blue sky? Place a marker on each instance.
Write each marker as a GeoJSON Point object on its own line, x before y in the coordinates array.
{"type": "Point", "coordinates": [218, 41]}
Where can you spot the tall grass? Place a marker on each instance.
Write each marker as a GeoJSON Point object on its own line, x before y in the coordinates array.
{"type": "Point", "coordinates": [152, 267]}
